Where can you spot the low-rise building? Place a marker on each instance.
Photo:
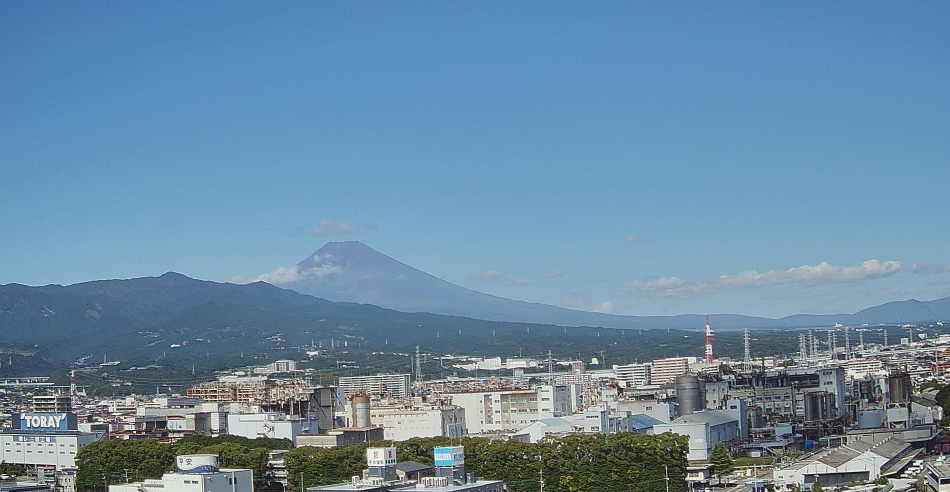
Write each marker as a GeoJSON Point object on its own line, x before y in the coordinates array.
{"type": "Point", "coordinates": [407, 420]}
{"type": "Point", "coordinates": [343, 436]}
{"type": "Point", "coordinates": [705, 429]}
{"type": "Point", "coordinates": [855, 461]}
{"type": "Point", "coordinates": [382, 475]}
{"type": "Point", "coordinates": [196, 473]}
{"type": "Point", "coordinates": [937, 477]}
{"type": "Point", "coordinates": [276, 425]}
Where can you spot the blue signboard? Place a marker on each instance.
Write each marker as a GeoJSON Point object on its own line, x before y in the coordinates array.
{"type": "Point", "coordinates": [45, 422]}
{"type": "Point", "coordinates": [449, 456]}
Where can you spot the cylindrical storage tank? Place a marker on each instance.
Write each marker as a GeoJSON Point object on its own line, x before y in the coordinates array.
{"type": "Point", "coordinates": [870, 418]}
{"type": "Point", "coordinates": [361, 410]}
{"type": "Point", "coordinates": [198, 463]}
{"type": "Point", "coordinates": [688, 394]}
{"type": "Point", "coordinates": [898, 388]}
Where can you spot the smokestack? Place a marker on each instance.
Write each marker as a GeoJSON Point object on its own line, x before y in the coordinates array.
{"type": "Point", "coordinates": [709, 340]}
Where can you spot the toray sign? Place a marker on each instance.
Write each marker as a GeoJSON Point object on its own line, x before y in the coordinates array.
{"type": "Point", "coordinates": [45, 421]}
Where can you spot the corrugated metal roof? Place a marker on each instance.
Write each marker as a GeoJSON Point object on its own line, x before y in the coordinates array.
{"type": "Point", "coordinates": [890, 448]}
{"type": "Point", "coordinates": [838, 456]}
{"type": "Point", "coordinates": [643, 421]}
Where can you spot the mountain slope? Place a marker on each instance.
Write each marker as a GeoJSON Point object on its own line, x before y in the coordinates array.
{"type": "Point", "coordinates": [351, 271]}
{"type": "Point", "coordinates": [178, 322]}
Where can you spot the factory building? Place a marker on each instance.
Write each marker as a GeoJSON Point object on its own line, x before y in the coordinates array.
{"type": "Point", "coordinates": [378, 386]}
{"type": "Point", "coordinates": [416, 419]}
{"type": "Point", "coordinates": [705, 429]}
{"type": "Point", "coordinates": [663, 411]}
{"type": "Point", "coordinates": [47, 441]}
{"type": "Point", "coordinates": [855, 461]}
{"type": "Point", "coordinates": [785, 395]}
{"type": "Point", "coordinates": [196, 473]}
{"type": "Point", "coordinates": [252, 394]}
{"type": "Point", "coordinates": [275, 425]}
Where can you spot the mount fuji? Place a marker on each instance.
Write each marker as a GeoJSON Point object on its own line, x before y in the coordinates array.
{"type": "Point", "coordinates": [351, 271]}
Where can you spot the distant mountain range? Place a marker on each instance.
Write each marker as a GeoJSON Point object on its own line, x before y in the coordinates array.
{"type": "Point", "coordinates": [353, 272]}
{"type": "Point", "coordinates": [173, 321]}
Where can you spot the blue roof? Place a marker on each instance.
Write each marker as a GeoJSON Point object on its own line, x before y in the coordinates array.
{"type": "Point", "coordinates": [644, 421]}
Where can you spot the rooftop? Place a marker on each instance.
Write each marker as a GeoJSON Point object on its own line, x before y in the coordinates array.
{"type": "Point", "coordinates": [411, 466]}
{"type": "Point", "coordinates": [713, 417]}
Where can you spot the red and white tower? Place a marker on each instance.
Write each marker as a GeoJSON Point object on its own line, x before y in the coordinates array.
{"type": "Point", "coordinates": [709, 337]}
{"type": "Point", "coordinates": [72, 380]}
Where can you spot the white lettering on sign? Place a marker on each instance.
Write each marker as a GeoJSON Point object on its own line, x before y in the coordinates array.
{"type": "Point", "coordinates": [43, 421]}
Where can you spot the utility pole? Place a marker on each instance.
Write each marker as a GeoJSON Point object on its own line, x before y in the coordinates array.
{"type": "Point", "coordinates": [302, 488]}
{"type": "Point", "coordinates": [541, 473]}
{"type": "Point", "coordinates": [666, 470]}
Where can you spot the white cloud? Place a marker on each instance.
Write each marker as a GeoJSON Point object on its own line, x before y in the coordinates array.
{"type": "Point", "coordinates": [489, 274]}
{"type": "Point", "coordinates": [284, 275]}
{"type": "Point", "coordinates": [633, 239]}
{"type": "Point", "coordinates": [921, 268]}
{"type": "Point", "coordinates": [557, 272]}
{"type": "Point", "coordinates": [605, 307]}
{"type": "Point", "coordinates": [522, 281]}
{"type": "Point", "coordinates": [334, 228]}
{"type": "Point", "coordinates": [823, 273]}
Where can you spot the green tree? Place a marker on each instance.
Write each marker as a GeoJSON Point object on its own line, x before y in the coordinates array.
{"type": "Point", "coordinates": [106, 462]}
{"type": "Point", "coordinates": [817, 487]}
{"type": "Point", "coordinates": [721, 461]}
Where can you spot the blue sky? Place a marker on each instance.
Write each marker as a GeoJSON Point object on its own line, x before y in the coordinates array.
{"type": "Point", "coordinates": [514, 138]}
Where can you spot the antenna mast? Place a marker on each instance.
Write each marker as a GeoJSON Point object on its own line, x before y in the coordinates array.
{"type": "Point", "coordinates": [72, 380]}
{"type": "Point", "coordinates": [748, 350]}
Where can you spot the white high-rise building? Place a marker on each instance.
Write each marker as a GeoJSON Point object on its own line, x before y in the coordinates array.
{"type": "Point", "coordinates": [633, 375]}
{"type": "Point", "coordinates": [380, 385]}
{"type": "Point", "coordinates": [665, 371]}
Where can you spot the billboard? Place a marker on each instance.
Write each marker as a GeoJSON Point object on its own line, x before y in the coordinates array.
{"type": "Point", "coordinates": [449, 456]}
{"type": "Point", "coordinates": [380, 456]}
{"type": "Point", "coordinates": [45, 422]}
{"type": "Point", "coordinates": [198, 463]}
